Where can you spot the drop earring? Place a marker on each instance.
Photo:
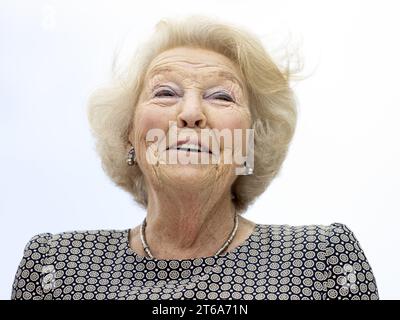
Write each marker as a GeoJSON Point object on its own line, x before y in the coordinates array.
{"type": "Point", "coordinates": [249, 170]}
{"type": "Point", "coordinates": [131, 160]}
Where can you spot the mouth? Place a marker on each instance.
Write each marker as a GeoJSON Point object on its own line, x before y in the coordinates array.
{"type": "Point", "coordinates": [188, 150]}
{"type": "Point", "coordinates": [189, 146]}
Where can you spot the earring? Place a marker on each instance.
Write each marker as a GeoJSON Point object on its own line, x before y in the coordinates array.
{"type": "Point", "coordinates": [249, 170]}
{"type": "Point", "coordinates": [131, 160]}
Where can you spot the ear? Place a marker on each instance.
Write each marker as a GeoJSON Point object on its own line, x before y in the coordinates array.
{"type": "Point", "coordinates": [131, 139]}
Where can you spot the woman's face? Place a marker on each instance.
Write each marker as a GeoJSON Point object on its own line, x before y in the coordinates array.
{"type": "Point", "coordinates": [193, 95]}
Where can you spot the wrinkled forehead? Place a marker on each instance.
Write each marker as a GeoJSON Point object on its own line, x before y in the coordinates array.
{"type": "Point", "coordinates": [194, 63]}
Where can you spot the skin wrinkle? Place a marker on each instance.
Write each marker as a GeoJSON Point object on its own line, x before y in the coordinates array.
{"type": "Point", "coordinates": [234, 88]}
{"type": "Point", "coordinates": [161, 68]}
{"type": "Point", "coordinates": [190, 212]}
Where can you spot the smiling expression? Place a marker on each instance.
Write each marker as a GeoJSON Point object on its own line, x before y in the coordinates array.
{"type": "Point", "coordinates": [198, 89]}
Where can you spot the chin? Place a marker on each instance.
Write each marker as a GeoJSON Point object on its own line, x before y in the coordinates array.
{"type": "Point", "coordinates": [188, 172]}
{"type": "Point", "coordinates": [185, 169]}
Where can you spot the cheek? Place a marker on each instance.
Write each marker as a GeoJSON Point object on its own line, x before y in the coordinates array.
{"type": "Point", "coordinates": [233, 120]}
{"type": "Point", "coordinates": [147, 119]}
{"type": "Point", "coordinates": [147, 142]}
{"type": "Point", "coordinates": [230, 118]}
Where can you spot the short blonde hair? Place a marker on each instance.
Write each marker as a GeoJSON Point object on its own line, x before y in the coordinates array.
{"type": "Point", "coordinates": [271, 101]}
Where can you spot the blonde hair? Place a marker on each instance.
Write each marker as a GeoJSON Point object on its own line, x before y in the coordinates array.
{"type": "Point", "coordinates": [271, 101]}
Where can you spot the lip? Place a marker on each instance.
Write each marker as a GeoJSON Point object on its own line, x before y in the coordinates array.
{"type": "Point", "coordinates": [195, 141]}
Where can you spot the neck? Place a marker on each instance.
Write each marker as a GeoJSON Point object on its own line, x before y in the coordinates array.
{"type": "Point", "coordinates": [188, 224]}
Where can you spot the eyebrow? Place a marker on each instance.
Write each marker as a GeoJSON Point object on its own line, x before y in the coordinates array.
{"type": "Point", "coordinates": [230, 76]}
{"type": "Point", "coordinates": [223, 74]}
{"type": "Point", "coordinates": [154, 71]}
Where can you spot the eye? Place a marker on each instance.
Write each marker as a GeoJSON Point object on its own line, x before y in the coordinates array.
{"type": "Point", "coordinates": [222, 96]}
{"type": "Point", "coordinates": [164, 93]}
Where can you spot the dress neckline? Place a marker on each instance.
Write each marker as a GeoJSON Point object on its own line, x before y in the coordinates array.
{"type": "Point", "coordinates": [234, 251]}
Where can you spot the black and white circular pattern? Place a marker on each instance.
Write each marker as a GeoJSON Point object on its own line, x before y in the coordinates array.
{"type": "Point", "coordinates": [276, 262]}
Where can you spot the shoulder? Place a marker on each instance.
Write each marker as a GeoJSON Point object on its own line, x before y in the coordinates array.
{"type": "Point", "coordinates": [41, 241]}
{"type": "Point", "coordinates": [333, 239]}
{"type": "Point", "coordinates": [76, 241]}
{"type": "Point", "coordinates": [27, 280]}
{"type": "Point", "coordinates": [45, 252]}
{"type": "Point", "coordinates": [333, 229]}
{"type": "Point", "coordinates": [37, 244]}
{"type": "Point", "coordinates": [322, 231]}
{"type": "Point", "coordinates": [346, 272]}
{"type": "Point", "coordinates": [88, 235]}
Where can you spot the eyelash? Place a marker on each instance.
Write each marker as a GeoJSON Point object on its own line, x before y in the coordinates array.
{"type": "Point", "coordinates": [225, 97]}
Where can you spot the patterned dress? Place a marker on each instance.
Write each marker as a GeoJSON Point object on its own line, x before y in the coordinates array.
{"type": "Point", "coordinates": [283, 262]}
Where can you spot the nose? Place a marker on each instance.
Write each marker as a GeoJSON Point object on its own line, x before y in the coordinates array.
{"type": "Point", "coordinates": [191, 113]}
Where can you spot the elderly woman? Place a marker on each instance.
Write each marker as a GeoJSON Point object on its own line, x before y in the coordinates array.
{"type": "Point", "coordinates": [194, 79]}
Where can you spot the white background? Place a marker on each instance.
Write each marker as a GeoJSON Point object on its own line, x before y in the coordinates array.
{"type": "Point", "coordinates": [343, 164]}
